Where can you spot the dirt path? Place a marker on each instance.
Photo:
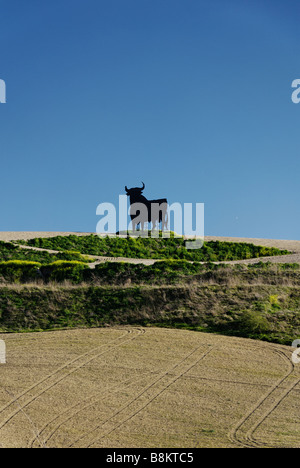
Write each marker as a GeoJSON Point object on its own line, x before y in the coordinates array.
{"type": "Point", "coordinates": [291, 245]}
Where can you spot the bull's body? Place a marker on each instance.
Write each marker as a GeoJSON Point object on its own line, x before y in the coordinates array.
{"type": "Point", "coordinates": [144, 211]}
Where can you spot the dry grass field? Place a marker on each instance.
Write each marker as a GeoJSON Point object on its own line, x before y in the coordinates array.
{"type": "Point", "coordinates": [151, 387]}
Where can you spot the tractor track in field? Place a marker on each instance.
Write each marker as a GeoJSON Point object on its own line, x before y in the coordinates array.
{"type": "Point", "coordinates": [60, 374]}
{"type": "Point", "coordinates": [245, 439]}
{"type": "Point", "coordinates": [285, 391]}
{"type": "Point", "coordinates": [77, 408]}
{"type": "Point", "coordinates": [121, 416]}
{"type": "Point", "coordinates": [243, 435]}
{"type": "Point", "coordinates": [116, 405]}
{"type": "Point", "coordinates": [33, 427]}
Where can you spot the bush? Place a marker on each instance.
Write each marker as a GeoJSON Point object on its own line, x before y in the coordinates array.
{"type": "Point", "coordinates": [250, 323]}
{"type": "Point", "coordinates": [18, 271]}
{"type": "Point", "coordinates": [61, 271]}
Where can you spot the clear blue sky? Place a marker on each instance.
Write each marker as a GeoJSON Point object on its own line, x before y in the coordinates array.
{"type": "Point", "coordinates": [193, 97]}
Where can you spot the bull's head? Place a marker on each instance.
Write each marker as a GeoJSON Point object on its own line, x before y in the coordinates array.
{"type": "Point", "coordinates": [135, 191]}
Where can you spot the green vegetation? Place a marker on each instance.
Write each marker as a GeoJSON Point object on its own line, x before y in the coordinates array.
{"type": "Point", "coordinates": [64, 271]}
{"type": "Point", "coordinates": [179, 272]}
{"type": "Point", "coordinates": [161, 272]}
{"type": "Point", "coordinates": [18, 271]}
{"type": "Point", "coordinates": [241, 310]}
{"type": "Point", "coordinates": [155, 248]}
{"type": "Point", "coordinates": [9, 251]}
{"type": "Point", "coordinates": [42, 290]}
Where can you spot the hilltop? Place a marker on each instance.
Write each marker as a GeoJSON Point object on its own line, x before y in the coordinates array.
{"type": "Point", "coordinates": [56, 280]}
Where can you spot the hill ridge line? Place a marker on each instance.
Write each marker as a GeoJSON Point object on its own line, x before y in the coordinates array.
{"type": "Point", "coordinates": [291, 245]}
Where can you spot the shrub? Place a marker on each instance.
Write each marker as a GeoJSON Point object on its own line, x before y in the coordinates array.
{"type": "Point", "coordinates": [61, 271]}
{"type": "Point", "coordinates": [251, 323]}
{"type": "Point", "coordinates": [273, 299]}
{"type": "Point", "coordinates": [254, 323]}
{"type": "Point", "coordinates": [18, 271]}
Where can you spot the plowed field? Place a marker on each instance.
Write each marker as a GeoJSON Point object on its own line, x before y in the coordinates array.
{"type": "Point", "coordinates": [156, 388]}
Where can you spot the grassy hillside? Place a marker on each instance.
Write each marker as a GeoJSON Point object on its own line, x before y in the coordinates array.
{"type": "Point", "coordinates": [9, 251]}
{"type": "Point", "coordinates": [160, 248]}
{"type": "Point", "coordinates": [41, 290]}
{"type": "Point", "coordinates": [260, 302]}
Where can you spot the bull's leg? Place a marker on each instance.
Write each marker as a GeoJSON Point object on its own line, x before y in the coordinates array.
{"type": "Point", "coordinates": [154, 224]}
{"type": "Point", "coordinates": [164, 223]}
{"type": "Point", "coordinates": [144, 226]}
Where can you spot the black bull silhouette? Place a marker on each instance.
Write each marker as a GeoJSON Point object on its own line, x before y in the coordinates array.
{"type": "Point", "coordinates": [144, 211]}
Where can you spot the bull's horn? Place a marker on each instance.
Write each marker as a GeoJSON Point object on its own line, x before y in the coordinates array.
{"type": "Point", "coordinates": [126, 189]}
{"type": "Point", "coordinates": [143, 185]}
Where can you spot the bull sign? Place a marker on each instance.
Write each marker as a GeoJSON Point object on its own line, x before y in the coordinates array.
{"type": "Point", "coordinates": [144, 212]}
{"type": "Point", "coordinates": [2, 352]}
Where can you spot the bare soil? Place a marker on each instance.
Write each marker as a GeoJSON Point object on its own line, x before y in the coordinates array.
{"type": "Point", "coordinates": [156, 388]}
